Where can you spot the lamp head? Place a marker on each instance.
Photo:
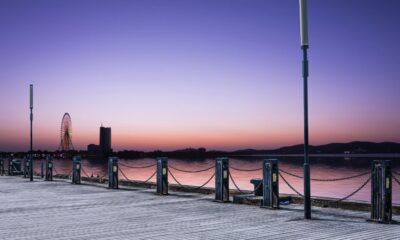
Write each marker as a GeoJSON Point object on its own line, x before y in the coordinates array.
{"type": "Point", "coordinates": [303, 23]}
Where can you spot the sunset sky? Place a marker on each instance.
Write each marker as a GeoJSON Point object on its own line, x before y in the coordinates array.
{"type": "Point", "coordinates": [220, 74]}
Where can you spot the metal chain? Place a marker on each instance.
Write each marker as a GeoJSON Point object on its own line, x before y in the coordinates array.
{"type": "Point", "coordinates": [396, 179]}
{"type": "Point", "coordinates": [326, 180]}
{"type": "Point", "coordinates": [290, 174]}
{"type": "Point", "coordinates": [129, 166]}
{"type": "Point", "coordinates": [152, 175]}
{"type": "Point", "coordinates": [245, 170]}
{"type": "Point", "coordinates": [58, 173]}
{"type": "Point", "coordinates": [172, 175]}
{"type": "Point", "coordinates": [84, 173]}
{"type": "Point", "coordinates": [201, 186]}
{"type": "Point", "coordinates": [258, 186]}
{"type": "Point", "coordinates": [236, 186]}
{"type": "Point", "coordinates": [103, 177]}
{"type": "Point", "coordinates": [192, 188]}
{"type": "Point", "coordinates": [123, 174]}
{"type": "Point", "coordinates": [129, 180]}
{"type": "Point", "coordinates": [356, 191]}
{"type": "Point", "coordinates": [70, 174]}
{"type": "Point", "coordinates": [290, 186]}
{"type": "Point", "coordinates": [342, 199]}
{"type": "Point", "coordinates": [340, 179]}
{"type": "Point", "coordinates": [191, 171]}
{"type": "Point", "coordinates": [240, 190]}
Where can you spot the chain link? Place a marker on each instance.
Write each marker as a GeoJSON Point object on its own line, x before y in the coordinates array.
{"type": "Point", "coordinates": [245, 170]}
{"type": "Point", "coordinates": [58, 173]}
{"type": "Point", "coordinates": [123, 174]}
{"type": "Point", "coordinates": [290, 186]}
{"type": "Point", "coordinates": [129, 180]}
{"type": "Point", "coordinates": [84, 173]}
{"type": "Point", "coordinates": [176, 180]}
{"type": "Point", "coordinates": [192, 188]}
{"type": "Point", "coordinates": [290, 174]}
{"type": "Point", "coordinates": [69, 175]}
{"type": "Point", "coordinates": [103, 177]}
{"type": "Point", "coordinates": [152, 175]}
{"type": "Point", "coordinates": [234, 184]}
{"type": "Point", "coordinates": [396, 179]}
{"type": "Point", "coordinates": [129, 166]}
{"type": "Point", "coordinates": [342, 199]}
{"type": "Point", "coordinates": [242, 191]}
{"type": "Point", "coordinates": [356, 191]}
{"type": "Point", "coordinates": [55, 171]}
{"type": "Point", "coordinates": [340, 179]}
{"type": "Point", "coordinates": [258, 186]}
{"type": "Point", "coordinates": [326, 180]}
{"type": "Point", "coordinates": [191, 171]}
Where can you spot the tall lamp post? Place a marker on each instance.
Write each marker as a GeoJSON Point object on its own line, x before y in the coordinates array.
{"type": "Point", "coordinates": [31, 118]}
{"type": "Point", "coordinates": [304, 47]}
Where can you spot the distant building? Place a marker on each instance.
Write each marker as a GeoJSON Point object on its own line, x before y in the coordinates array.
{"type": "Point", "coordinates": [105, 140]}
{"type": "Point", "coordinates": [93, 148]}
{"type": "Point", "coordinates": [103, 150]}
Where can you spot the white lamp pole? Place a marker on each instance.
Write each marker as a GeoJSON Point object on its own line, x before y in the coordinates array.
{"type": "Point", "coordinates": [304, 46]}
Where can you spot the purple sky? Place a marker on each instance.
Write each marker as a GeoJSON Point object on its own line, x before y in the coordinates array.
{"type": "Point", "coordinates": [198, 73]}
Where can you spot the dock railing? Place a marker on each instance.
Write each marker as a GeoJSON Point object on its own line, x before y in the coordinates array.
{"type": "Point", "coordinates": [381, 183]}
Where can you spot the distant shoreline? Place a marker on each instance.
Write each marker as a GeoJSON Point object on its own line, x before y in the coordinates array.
{"type": "Point", "coordinates": [345, 150]}
{"type": "Point", "coordinates": [355, 155]}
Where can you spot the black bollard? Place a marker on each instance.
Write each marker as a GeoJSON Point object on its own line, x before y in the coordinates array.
{"type": "Point", "coordinates": [49, 169]}
{"type": "Point", "coordinates": [381, 191]}
{"type": "Point", "coordinates": [270, 184]}
{"type": "Point", "coordinates": [9, 167]}
{"type": "Point", "coordinates": [162, 176]}
{"type": "Point", "coordinates": [42, 168]}
{"type": "Point", "coordinates": [16, 167]}
{"type": "Point", "coordinates": [76, 170]}
{"type": "Point", "coordinates": [222, 180]}
{"type": "Point", "coordinates": [26, 167]}
{"type": "Point", "coordinates": [1, 166]}
{"type": "Point", "coordinates": [31, 168]}
{"type": "Point", "coordinates": [113, 172]}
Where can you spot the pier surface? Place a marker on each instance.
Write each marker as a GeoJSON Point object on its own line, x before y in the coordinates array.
{"type": "Point", "coordinates": [60, 210]}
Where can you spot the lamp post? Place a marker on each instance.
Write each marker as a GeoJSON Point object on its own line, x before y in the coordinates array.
{"type": "Point", "coordinates": [31, 150]}
{"type": "Point", "coordinates": [304, 47]}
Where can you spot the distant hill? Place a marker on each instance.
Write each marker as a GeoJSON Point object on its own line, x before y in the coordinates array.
{"type": "Point", "coordinates": [332, 148]}
{"type": "Point", "coordinates": [201, 153]}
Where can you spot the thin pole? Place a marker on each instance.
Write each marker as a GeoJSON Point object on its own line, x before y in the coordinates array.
{"type": "Point", "coordinates": [304, 46]}
{"type": "Point", "coordinates": [31, 148]}
{"type": "Point", "coordinates": [307, 188]}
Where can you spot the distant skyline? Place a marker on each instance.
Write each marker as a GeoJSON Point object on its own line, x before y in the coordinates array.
{"type": "Point", "coordinates": [219, 74]}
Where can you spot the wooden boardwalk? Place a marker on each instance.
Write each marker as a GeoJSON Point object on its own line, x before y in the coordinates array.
{"type": "Point", "coordinates": [59, 210]}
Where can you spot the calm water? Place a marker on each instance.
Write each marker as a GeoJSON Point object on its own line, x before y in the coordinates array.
{"type": "Point", "coordinates": [327, 167]}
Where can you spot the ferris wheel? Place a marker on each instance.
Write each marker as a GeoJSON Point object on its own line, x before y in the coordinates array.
{"type": "Point", "coordinates": [66, 134]}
